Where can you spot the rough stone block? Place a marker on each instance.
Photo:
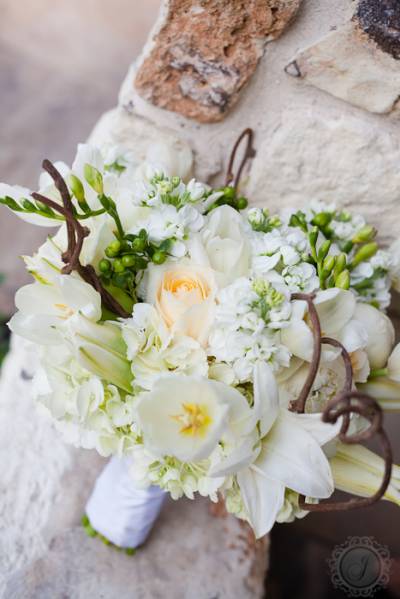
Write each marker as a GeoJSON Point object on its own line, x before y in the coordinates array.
{"type": "Point", "coordinates": [358, 62]}
{"type": "Point", "coordinates": [203, 53]}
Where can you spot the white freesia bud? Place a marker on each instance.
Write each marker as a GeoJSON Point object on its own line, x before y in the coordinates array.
{"type": "Point", "coordinates": [380, 334]}
{"type": "Point", "coordinates": [359, 471]}
{"type": "Point", "coordinates": [183, 416]}
{"type": "Point", "coordinates": [394, 364]}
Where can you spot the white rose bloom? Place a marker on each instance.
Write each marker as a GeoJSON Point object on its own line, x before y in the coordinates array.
{"type": "Point", "coordinates": [183, 417]}
{"type": "Point", "coordinates": [223, 246]}
{"type": "Point", "coordinates": [184, 296]}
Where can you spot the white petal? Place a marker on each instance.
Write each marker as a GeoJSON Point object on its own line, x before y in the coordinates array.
{"type": "Point", "coordinates": [238, 459]}
{"type": "Point", "coordinates": [394, 364]}
{"type": "Point", "coordinates": [380, 332]}
{"type": "Point", "coordinates": [266, 397]}
{"type": "Point", "coordinates": [293, 457]}
{"type": "Point", "coordinates": [38, 328]}
{"type": "Point", "coordinates": [298, 338]}
{"type": "Point", "coordinates": [262, 497]}
{"type": "Point", "coordinates": [322, 432]}
{"type": "Point", "coordinates": [335, 308]}
{"type": "Point", "coordinates": [81, 296]}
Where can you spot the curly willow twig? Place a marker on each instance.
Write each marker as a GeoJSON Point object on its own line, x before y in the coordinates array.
{"type": "Point", "coordinates": [248, 154]}
{"type": "Point", "coordinates": [76, 234]}
{"type": "Point", "coordinates": [347, 402]}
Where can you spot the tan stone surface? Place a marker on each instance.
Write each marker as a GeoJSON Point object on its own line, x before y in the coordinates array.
{"type": "Point", "coordinates": [349, 65]}
{"type": "Point", "coordinates": [205, 52]}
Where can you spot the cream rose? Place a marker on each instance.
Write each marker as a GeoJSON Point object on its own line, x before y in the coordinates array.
{"type": "Point", "coordinates": [223, 246]}
{"type": "Point", "coordinates": [184, 295]}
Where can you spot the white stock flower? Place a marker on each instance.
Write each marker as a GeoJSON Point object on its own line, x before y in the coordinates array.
{"type": "Point", "coordinates": [183, 416]}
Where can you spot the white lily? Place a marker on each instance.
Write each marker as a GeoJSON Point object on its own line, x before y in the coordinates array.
{"type": "Point", "coordinates": [44, 310]}
{"type": "Point", "coordinates": [359, 471]}
{"type": "Point", "coordinates": [289, 455]}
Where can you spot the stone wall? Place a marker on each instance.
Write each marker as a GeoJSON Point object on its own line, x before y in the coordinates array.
{"type": "Point", "coordinates": [317, 80]}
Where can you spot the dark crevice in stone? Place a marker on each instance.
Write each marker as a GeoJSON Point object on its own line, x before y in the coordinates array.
{"type": "Point", "coordinates": [380, 19]}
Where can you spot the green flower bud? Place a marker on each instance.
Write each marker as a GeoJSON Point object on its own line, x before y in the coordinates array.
{"type": "Point", "coordinates": [328, 264]}
{"type": "Point", "coordinates": [77, 188]}
{"type": "Point", "coordinates": [260, 286]}
{"type": "Point", "coordinates": [94, 178]}
{"type": "Point", "coordinates": [104, 266]}
{"type": "Point", "coordinates": [175, 181]}
{"type": "Point", "coordinates": [28, 205]}
{"type": "Point", "coordinates": [229, 192]}
{"type": "Point", "coordinates": [343, 280]}
{"type": "Point", "coordinates": [128, 260]}
{"type": "Point", "coordinates": [313, 236]}
{"type": "Point", "coordinates": [322, 219]}
{"type": "Point", "coordinates": [159, 257]}
{"type": "Point", "coordinates": [366, 233]}
{"type": "Point", "coordinates": [113, 249]}
{"type": "Point", "coordinates": [44, 207]}
{"type": "Point", "coordinates": [118, 266]}
{"type": "Point", "coordinates": [139, 244]}
{"type": "Point", "coordinates": [323, 250]}
{"type": "Point", "coordinates": [340, 265]}
{"type": "Point", "coordinates": [241, 203]}
{"type": "Point", "coordinates": [10, 203]}
{"type": "Point", "coordinates": [365, 253]}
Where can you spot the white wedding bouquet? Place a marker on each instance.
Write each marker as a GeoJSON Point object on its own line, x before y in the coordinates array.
{"type": "Point", "coordinates": [223, 350]}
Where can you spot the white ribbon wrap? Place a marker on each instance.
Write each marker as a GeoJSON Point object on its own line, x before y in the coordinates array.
{"type": "Point", "coordinates": [121, 511]}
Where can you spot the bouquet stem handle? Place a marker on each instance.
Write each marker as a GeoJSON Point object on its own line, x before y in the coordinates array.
{"type": "Point", "coordinates": [120, 510]}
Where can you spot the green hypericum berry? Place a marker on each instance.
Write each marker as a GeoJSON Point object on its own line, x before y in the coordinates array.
{"type": "Point", "coordinates": [322, 219]}
{"type": "Point", "coordinates": [365, 253]}
{"type": "Point", "coordinates": [139, 244]}
{"type": "Point", "coordinates": [94, 178]}
{"type": "Point", "coordinates": [118, 266]}
{"type": "Point", "coordinates": [104, 266]}
{"type": "Point", "coordinates": [159, 257]}
{"type": "Point", "coordinates": [128, 260]}
{"type": "Point", "coordinates": [343, 280]}
{"type": "Point", "coordinates": [114, 247]}
{"type": "Point", "coordinates": [366, 233]}
{"type": "Point", "coordinates": [242, 203]}
{"type": "Point", "coordinates": [229, 192]}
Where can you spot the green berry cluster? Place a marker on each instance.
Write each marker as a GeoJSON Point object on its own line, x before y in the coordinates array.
{"type": "Point", "coordinates": [229, 197]}
{"type": "Point", "coordinates": [127, 256]}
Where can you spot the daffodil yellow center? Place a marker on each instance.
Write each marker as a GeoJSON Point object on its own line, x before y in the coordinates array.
{"type": "Point", "coordinates": [65, 311]}
{"type": "Point", "coordinates": [194, 419]}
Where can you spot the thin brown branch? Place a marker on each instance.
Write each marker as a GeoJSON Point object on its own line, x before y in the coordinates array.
{"type": "Point", "coordinates": [248, 154]}
{"type": "Point", "coordinates": [343, 406]}
{"type": "Point", "coordinates": [348, 383]}
{"type": "Point", "coordinates": [76, 235]}
{"type": "Point", "coordinates": [300, 403]}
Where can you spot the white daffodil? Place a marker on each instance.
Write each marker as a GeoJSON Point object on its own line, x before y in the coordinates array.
{"type": "Point", "coordinates": [289, 455]}
{"type": "Point", "coordinates": [43, 310]}
{"type": "Point", "coordinates": [183, 416]}
{"type": "Point", "coordinates": [359, 471]}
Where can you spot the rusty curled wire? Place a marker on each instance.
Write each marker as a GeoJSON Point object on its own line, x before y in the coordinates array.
{"type": "Point", "coordinates": [346, 403]}
{"type": "Point", "coordinates": [249, 153]}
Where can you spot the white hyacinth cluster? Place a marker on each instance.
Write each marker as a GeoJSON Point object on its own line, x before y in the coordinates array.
{"type": "Point", "coordinates": [194, 376]}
